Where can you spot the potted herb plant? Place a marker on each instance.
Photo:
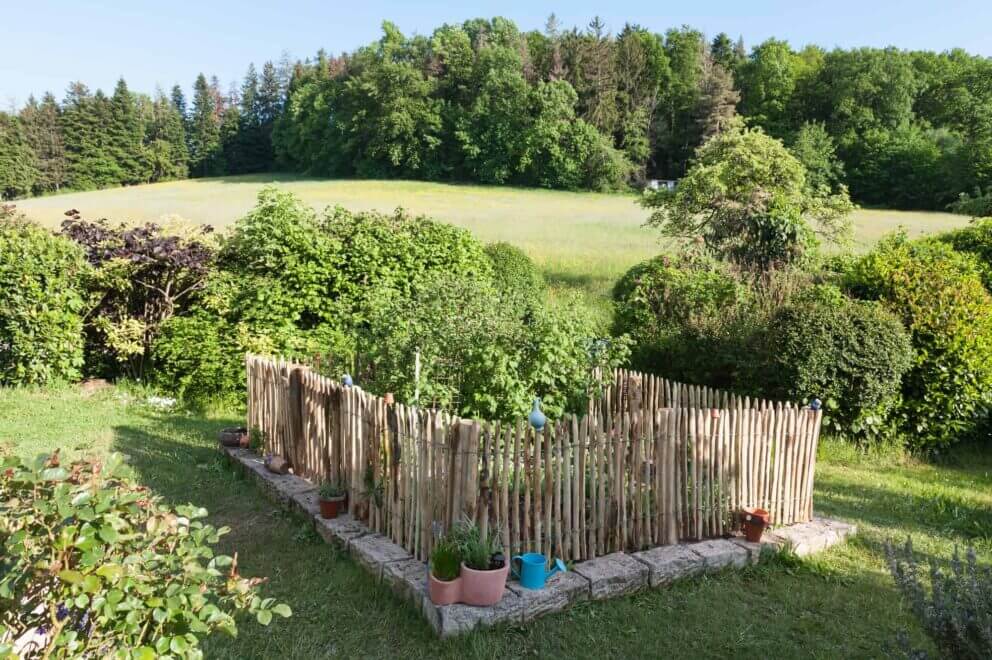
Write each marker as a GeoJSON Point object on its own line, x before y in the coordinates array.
{"type": "Point", "coordinates": [484, 570]}
{"type": "Point", "coordinates": [443, 582]}
{"type": "Point", "coordinates": [331, 498]}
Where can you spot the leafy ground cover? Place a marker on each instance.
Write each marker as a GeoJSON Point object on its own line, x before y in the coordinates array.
{"type": "Point", "coordinates": [580, 240]}
{"type": "Point", "coordinates": [841, 603]}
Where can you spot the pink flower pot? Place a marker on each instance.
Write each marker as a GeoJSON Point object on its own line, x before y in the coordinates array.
{"type": "Point", "coordinates": [483, 588]}
{"type": "Point", "coordinates": [444, 593]}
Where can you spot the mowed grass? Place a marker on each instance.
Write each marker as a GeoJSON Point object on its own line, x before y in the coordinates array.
{"type": "Point", "coordinates": [839, 604]}
{"type": "Point", "coordinates": [580, 240]}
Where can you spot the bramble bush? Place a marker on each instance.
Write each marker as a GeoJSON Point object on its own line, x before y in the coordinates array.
{"type": "Point", "coordinates": [95, 566]}
{"type": "Point", "coordinates": [956, 612]}
{"type": "Point", "coordinates": [850, 354]}
{"type": "Point", "coordinates": [42, 303]}
{"type": "Point", "coordinates": [939, 296]}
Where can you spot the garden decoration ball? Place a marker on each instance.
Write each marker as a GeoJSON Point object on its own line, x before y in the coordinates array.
{"type": "Point", "coordinates": [536, 417]}
{"type": "Point", "coordinates": [815, 404]}
{"type": "Point", "coordinates": [347, 381]}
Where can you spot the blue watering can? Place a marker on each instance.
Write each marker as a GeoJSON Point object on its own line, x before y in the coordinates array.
{"type": "Point", "coordinates": [532, 572]}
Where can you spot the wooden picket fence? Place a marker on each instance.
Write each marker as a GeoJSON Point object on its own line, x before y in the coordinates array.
{"type": "Point", "coordinates": [652, 463]}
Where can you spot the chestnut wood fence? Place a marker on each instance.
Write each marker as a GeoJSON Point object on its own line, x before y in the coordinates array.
{"type": "Point", "coordinates": [653, 462]}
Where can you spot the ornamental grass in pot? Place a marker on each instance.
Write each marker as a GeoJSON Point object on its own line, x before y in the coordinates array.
{"type": "Point", "coordinates": [331, 499]}
{"type": "Point", "coordinates": [443, 582]}
{"type": "Point", "coordinates": [484, 570]}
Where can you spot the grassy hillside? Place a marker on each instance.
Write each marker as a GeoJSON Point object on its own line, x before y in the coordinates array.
{"type": "Point", "coordinates": [585, 240]}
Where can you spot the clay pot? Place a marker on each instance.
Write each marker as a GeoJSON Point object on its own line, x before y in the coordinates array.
{"type": "Point", "coordinates": [483, 588]}
{"type": "Point", "coordinates": [444, 593]}
{"type": "Point", "coordinates": [755, 522]}
{"type": "Point", "coordinates": [330, 508]}
{"type": "Point", "coordinates": [234, 437]}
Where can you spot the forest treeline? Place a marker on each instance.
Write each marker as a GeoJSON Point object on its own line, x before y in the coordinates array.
{"type": "Point", "coordinates": [559, 108]}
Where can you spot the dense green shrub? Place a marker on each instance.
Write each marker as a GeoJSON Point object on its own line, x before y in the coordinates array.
{"type": "Point", "coordinates": [484, 352]}
{"type": "Point", "coordinates": [381, 256]}
{"type": "Point", "coordinates": [939, 295]}
{"type": "Point", "coordinates": [956, 611]}
{"type": "Point", "coordinates": [42, 303]}
{"type": "Point", "coordinates": [513, 271]}
{"type": "Point", "coordinates": [93, 565]}
{"type": "Point", "coordinates": [142, 276]}
{"type": "Point", "coordinates": [666, 304]}
{"type": "Point", "coordinates": [974, 239]}
{"type": "Point", "coordinates": [978, 205]}
{"type": "Point", "coordinates": [849, 354]}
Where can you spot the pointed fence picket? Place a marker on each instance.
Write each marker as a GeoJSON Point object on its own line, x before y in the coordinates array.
{"type": "Point", "coordinates": [653, 462]}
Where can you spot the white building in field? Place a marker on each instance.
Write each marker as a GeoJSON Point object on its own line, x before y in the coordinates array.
{"type": "Point", "coordinates": [662, 184]}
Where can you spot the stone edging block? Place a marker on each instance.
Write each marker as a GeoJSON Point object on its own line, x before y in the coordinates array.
{"type": "Point", "coordinates": [669, 563]}
{"type": "Point", "coordinates": [613, 575]}
{"type": "Point", "coordinates": [604, 577]}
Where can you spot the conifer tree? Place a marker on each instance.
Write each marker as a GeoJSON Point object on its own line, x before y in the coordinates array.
{"type": "Point", "coordinates": [86, 120]}
{"type": "Point", "coordinates": [127, 136]}
{"type": "Point", "coordinates": [43, 131]}
{"type": "Point", "coordinates": [206, 158]}
{"type": "Point", "coordinates": [166, 141]}
{"type": "Point", "coordinates": [18, 172]}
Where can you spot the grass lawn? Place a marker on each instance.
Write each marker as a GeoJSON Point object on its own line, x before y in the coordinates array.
{"type": "Point", "coordinates": [840, 604]}
{"type": "Point", "coordinates": [581, 240]}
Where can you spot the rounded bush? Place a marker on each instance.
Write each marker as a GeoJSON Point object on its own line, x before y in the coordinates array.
{"type": "Point", "coordinates": [939, 296]}
{"type": "Point", "coordinates": [41, 304]}
{"type": "Point", "coordinates": [849, 354]}
{"type": "Point", "coordinates": [661, 304]}
{"type": "Point", "coordinates": [513, 272]}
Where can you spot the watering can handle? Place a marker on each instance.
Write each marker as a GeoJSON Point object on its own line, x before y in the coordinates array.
{"type": "Point", "coordinates": [513, 568]}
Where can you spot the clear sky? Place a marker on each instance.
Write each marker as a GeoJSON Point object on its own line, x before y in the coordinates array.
{"type": "Point", "coordinates": [45, 44]}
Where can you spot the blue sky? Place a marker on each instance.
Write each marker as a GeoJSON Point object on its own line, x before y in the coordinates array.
{"type": "Point", "coordinates": [48, 43]}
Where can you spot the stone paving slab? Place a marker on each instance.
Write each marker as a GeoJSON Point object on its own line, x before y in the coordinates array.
{"type": "Point", "coordinates": [605, 577]}
{"type": "Point", "coordinates": [374, 550]}
{"type": "Point", "coordinates": [560, 592]}
{"type": "Point", "coordinates": [669, 563]}
{"type": "Point", "coordinates": [613, 575]}
{"type": "Point", "coordinates": [718, 554]}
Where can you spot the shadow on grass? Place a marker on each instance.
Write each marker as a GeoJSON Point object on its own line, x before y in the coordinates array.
{"type": "Point", "coordinates": [787, 608]}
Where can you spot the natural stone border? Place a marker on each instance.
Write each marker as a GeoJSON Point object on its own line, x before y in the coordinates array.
{"type": "Point", "coordinates": [605, 577]}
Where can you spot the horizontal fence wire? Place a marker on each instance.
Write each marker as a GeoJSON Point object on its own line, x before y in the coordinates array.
{"type": "Point", "coordinates": [652, 462]}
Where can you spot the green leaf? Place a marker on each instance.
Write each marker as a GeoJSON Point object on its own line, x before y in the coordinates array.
{"type": "Point", "coordinates": [72, 577]}
{"type": "Point", "coordinates": [283, 610]}
{"type": "Point", "coordinates": [264, 617]}
{"type": "Point", "coordinates": [108, 534]}
{"type": "Point", "coordinates": [143, 653]}
{"type": "Point", "coordinates": [178, 645]}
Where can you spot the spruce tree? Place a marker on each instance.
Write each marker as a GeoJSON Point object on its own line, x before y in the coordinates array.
{"type": "Point", "coordinates": [166, 141]}
{"type": "Point", "coordinates": [127, 136]}
{"type": "Point", "coordinates": [18, 171]}
{"type": "Point", "coordinates": [270, 98]}
{"type": "Point", "coordinates": [86, 121]}
{"type": "Point", "coordinates": [179, 101]}
{"type": "Point", "coordinates": [206, 158]}
{"type": "Point", "coordinates": [42, 128]}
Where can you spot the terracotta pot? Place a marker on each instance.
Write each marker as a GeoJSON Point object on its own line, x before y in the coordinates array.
{"type": "Point", "coordinates": [234, 437]}
{"type": "Point", "coordinates": [330, 508]}
{"type": "Point", "coordinates": [755, 522]}
{"type": "Point", "coordinates": [444, 593]}
{"type": "Point", "coordinates": [483, 588]}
